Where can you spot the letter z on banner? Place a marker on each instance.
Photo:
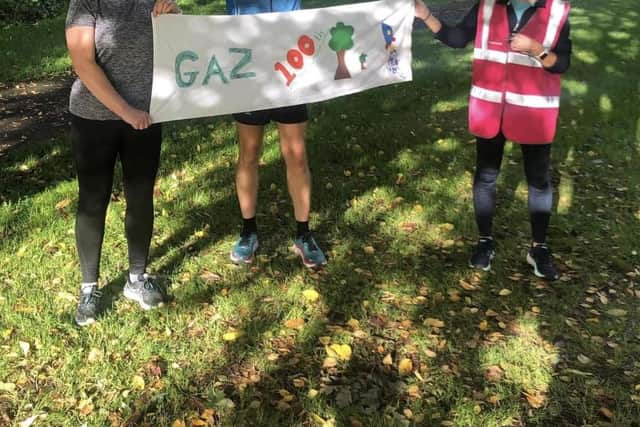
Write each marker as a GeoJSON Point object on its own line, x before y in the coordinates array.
{"type": "Point", "coordinates": [211, 65]}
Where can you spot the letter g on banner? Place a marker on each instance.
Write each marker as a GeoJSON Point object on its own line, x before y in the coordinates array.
{"type": "Point", "coordinates": [190, 75]}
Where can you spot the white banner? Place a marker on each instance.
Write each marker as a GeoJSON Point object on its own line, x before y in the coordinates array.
{"type": "Point", "coordinates": [211, 65]}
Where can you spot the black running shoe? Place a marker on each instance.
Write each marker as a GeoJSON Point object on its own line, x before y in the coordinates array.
{"type": "Point", "coordinates": [146, 293]}
{"type": "Point", "coordinates": [482, 254]}
{"type": "Point", "coordinates": [539, 257]}
{"type": "Point", "coordinates": [88, 305]}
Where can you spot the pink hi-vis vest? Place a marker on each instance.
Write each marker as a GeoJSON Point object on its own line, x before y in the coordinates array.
{"type": "Point", "coordinates": [511, 91]}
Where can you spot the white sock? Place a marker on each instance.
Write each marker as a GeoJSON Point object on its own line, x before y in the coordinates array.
{"type": "Point", "coordinates": [86, 286]}
{"type": "Point", "coordinates": [134, 277]}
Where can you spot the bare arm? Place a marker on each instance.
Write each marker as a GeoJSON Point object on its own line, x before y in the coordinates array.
{"type": "Point", "coordinates": [81, 45]}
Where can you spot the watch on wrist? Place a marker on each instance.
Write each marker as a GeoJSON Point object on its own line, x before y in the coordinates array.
{"type": "Point", "coordinates": [542, 55]}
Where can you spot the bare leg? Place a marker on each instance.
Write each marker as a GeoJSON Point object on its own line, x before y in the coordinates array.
{"type": "Point", "coordinates": [294, 153]}
{"type": "Point", "coordinates": [249, 142]}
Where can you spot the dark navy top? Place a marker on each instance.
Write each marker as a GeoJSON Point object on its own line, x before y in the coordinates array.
{"type": "Point", "coordinates": [249, 7]}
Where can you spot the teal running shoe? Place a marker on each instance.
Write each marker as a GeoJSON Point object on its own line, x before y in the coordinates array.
{"type": "Point", "coordinates": [308, 249]}
{"type": "Point", "coordinates": [244, 249]}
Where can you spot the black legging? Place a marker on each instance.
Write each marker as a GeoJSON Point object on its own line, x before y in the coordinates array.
{"type": "Point", "coordinates": [96, 145]}
{"type": "Point", "coordinates": [536, 167]}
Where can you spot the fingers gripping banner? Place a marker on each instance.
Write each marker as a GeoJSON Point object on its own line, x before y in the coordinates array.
{"type": "Point", "coordinates": [211, 65]}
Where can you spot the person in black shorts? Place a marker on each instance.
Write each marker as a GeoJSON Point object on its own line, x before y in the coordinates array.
{"type": "Point", "coordinates": [291, 122]}
{"type": "Point", "coordinates": [111, 47]}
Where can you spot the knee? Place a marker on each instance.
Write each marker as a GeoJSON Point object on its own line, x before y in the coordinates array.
{"type": "Point", "coordinates": [249, 158]}
{"type": "Point", "coordinates": [93, 205]}
{"type": "Point", "coordinates": [539, 181]}
{"type": "Point", "coordinates": [295, 155]}
{"type": "Point", "coordinates": [486, 176]}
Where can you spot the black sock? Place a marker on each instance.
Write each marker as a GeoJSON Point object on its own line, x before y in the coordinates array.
{"type": "Point", "coordinates": [249, 226]}
{"type": "Point", "coordinates": [303, 228]}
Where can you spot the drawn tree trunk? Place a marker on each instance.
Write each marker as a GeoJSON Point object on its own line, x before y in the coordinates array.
{"type": "Point", "coordinates": [342, 72]}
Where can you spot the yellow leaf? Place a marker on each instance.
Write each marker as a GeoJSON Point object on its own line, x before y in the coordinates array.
{"type": "Point", "coordinates": [232, 335]}
{"type": "Point", "coordinates": [504, 292]}
{"type": "Point", "coordinates": [312, 393]}
{"type": "Point", "coordinates": [294, 323]}
{"type": "Point", "coordinates": [85, 408]}
{"type": "Point", "coordinates": [329, 362]}
{"type": "Point", "coordinates": [387, 360]}
{"type": "Point", "coordinates": [535, 398]}
{"type": "Point", "coordinates": [178, 423]}
{"type": "Point", "coordinates": [434, 323]}
{"type": "Point", "coordinates": [405, 366]}
{"type": "Point", "coordinates": [137, 382]}
{"type": "Point", "coordinates": [339, 351]}
{"type": "Point", "coordinates": [430, 353]}
{"type": "Point", "coordinates": [63, 204]}
{"type": "Point", "coordinates": [311, 295]}
{"type": "Point", "coordinates": [197, 422]}
{"type": "Point", "coordinates": [369, 250]}
{"type": "Point", "coordinates": [354, 324]}
{"type": "Point", "coordinates": [483, 326]}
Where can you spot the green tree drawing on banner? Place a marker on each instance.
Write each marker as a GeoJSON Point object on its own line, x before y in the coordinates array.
{"type": "Point", "coordinates": [341, 41]}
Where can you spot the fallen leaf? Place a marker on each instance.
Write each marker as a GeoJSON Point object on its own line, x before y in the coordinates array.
{"type": "Point", "coordinates": [369, 250]}
{"type": "Point", "coordinates": [137, 382]}
{"type": "Point", "coordinates": [617, 312]}
{"type": "Point", "coordinates": [85, 408]}
{"type": "Point", "coordinates": [63, 204]}
{"type": "Point", "coordinates": [311, 295]}
{"type": "Point", "coordinates": [209, 276]}
{"type": "Point", "coordinates": [583, 359]}
{"type": "Point", "coordinates": [483, 326]}
{"type": "Point", "coordinates": [178, 423]}
{"type": "Point", "coordinates": [535, 398]}
{"type": "Point", "coordinates": [493, 373]}
{"type": "Point", "coordinates": [329, 362]}
{"type": "Point", "coordinates": [354, 324]}
{"type": "Point", "coordinates": [606, 412]}
{"type": "Point", "coordinates": [25, 347]}
{"type": "Point", "coordinates": [434, 323]}
{"type": "Point", "coordinates": [339, 351]}
{"type": "Point", "coordinates": [232, 335]}
{"type": "Point", "coordinates": [504, 292]}
{"type": "Point", "coordinates": [294, 323]}
{"type": "Point", "coordinates": [95, 355]}
{"type": "Point", "coordinates": [388, 360]}
{"type": "Point", "coordinates": [405, 367]}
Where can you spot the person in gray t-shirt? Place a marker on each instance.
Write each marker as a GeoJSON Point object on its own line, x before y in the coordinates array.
{"type": "Point", "coordinates": [111, 47]}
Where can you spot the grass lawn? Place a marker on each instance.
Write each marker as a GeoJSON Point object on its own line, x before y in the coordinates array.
{"type": "Point", "coordinates": [396, 330]}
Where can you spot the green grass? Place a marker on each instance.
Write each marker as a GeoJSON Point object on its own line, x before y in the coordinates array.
{"type": "Point", "coordinates": [392, 170]}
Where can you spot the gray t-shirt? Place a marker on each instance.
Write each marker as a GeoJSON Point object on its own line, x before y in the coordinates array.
{"type": "Point", "coordinates": [124, 50]}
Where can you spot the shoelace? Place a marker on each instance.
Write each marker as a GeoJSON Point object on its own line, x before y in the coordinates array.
{"type": "Point", "coordinates": [310, 241]}
{"type": "Point", "coordinates": [91, 298]}
{"type": "Point", "coordinates": [245, 240]}
{"type": "Point", "coordinates": [543, 253]}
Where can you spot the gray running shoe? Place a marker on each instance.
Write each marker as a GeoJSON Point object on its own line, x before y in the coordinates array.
{"type": "Point", "coordinates": [146, 293]}
{"type": "Point", "coordinates": [88, 305]}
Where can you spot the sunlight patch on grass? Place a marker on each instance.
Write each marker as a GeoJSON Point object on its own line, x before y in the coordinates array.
{"type": "Point", "coordinates": [449, 105]}
{"type": "Point", "coordinates": [565, 194]}
{"type": "Point", "coordinates": [526, 358]}
{"type": "Point", "coordinates": [575, 87]}
{"type": "Point", "coordinates": [605, 104]}
{"type": "Point", "coordinates": [586, 56]}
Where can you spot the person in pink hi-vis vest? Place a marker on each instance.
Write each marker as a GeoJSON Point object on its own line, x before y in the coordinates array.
{"type": "Point", "coordinates": [521, 49]}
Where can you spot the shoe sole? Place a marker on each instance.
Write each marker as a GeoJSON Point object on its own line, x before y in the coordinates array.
{"type": "Point", "coordinates": [306, 263]}
{"type": "Point", "coordinates": [237, 260]}
{"type": "Point", "coordinates": [86, 322]}
{"type": "Point", "coordinates": [144, 305]}
{"type": "Point", "coordinates": [532, 263]}
{"type": "Point", "coordinates": [477, 267]}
